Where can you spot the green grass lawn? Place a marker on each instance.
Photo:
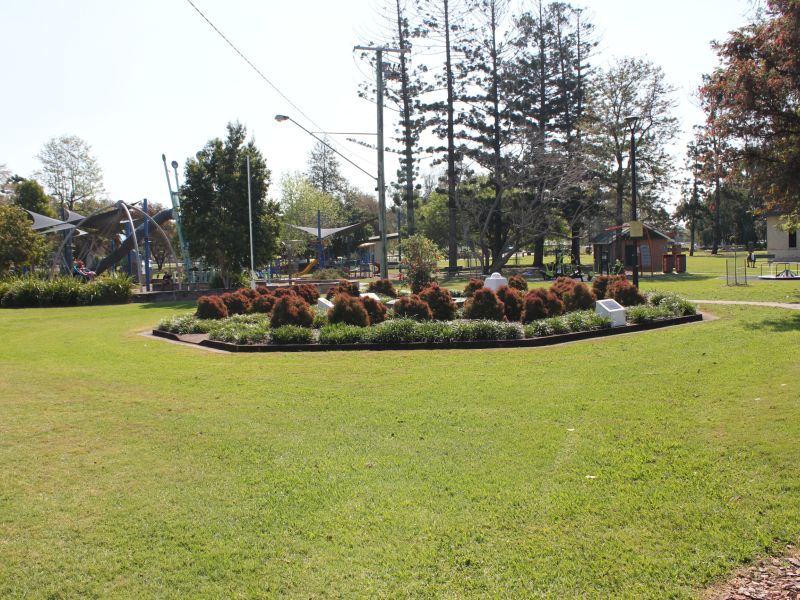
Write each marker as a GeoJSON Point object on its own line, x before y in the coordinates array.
{"type": "Point", "coordinates": [648, 465]}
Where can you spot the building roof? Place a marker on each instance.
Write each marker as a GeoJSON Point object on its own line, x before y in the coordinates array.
{"type": "Point", "coordinates": [623, 233]}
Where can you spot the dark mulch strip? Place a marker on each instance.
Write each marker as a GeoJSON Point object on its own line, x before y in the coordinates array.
{"type": "Point", "coordinates": [770, 579]}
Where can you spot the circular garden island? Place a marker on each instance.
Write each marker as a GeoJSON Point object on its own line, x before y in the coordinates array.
{"type": "Point", "coordinates": [297, 318]}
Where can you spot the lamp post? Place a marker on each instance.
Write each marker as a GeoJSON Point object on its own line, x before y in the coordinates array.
{"type": "Point", "coordinates": [631, 121]}
{"type": "Point", "coordinates": [378, 179]}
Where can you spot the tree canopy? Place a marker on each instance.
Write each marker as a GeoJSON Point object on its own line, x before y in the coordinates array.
{"type": "Point", "coordinates": [215, 208]}
{"type": "Point", "coordinates": [20, 245]}
{"type": "Point", "coordinates": [752, 101]}
{"type": "Point", "coordinates": [71, 173]}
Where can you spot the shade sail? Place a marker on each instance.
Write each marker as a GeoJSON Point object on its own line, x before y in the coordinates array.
{"type": "Point", "coordinates": [42, 222]}
{"type": "Point", "coordinates": [326, 232]}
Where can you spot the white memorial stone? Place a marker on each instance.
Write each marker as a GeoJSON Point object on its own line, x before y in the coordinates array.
{"type": "Point", "coordinates": [371, 295]}
{"type": "Point", "coordinates": [611, 309]}
{"type": "Point", "coordinates": [324, 303]}
{"type": "Point", "coordinates": [495, 281]}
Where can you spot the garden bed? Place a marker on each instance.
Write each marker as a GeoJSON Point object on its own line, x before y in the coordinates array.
{"type": "Point", "coordinates": [532, 342]}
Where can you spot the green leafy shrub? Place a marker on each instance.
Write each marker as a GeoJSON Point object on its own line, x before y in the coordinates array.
{"type": "Point", "coordinates": [112, 289]}
{"type": "Point", "coordinates": [343, 287]}
{"type": "Point", "coordinates": [349, 310]}
{"type": "Point", "coordinates": [434, 332]}
{"type": "Point", "coordinates": [185, 324]}
{"type": "Point", "coordinates": [291, 334]}
{"type": "Point", "coordinates": [375, 310]}
{"type": "Point", "coordinates": [600, 284]}
{"type": "Point", "coordinates": [237, 304]}
{"type": "Point", "coordinates": [263, 304]}
{"type": "Point", "coordinates": [237, 330]}
{"type": "Point", "coordinates": [392, 332]}
{"type": "Point", "coordinates": [420, 259]}
{"type": "Point", "coordinates": [518, 282]}
{"type": "Point", "coordinates": [383, 287]}
{"type": "Point", "coordinates": [30, 292]}
{"type": "Point", "coordinates": [211, 307]}
{"type": "Point", "coordinates": [472, 286]}
{"type": "Point", "coordinates": [624, 292]}
{"type": "Point", "coordinates": [307, 292]}
{"type": "Point", "coordinates": [291, 309]}
{"type": "Point", "coordinates": [580, 297]}
{"type": "Point", "coordinates": [320, 318]}
{"type": "Point", "coordinates": [585, 320]}
{"type": "Point", "coordinates": [342, 333]}
{"type": "Point", "coordinates": [484, 304]}
{"type": "Point", "coordinates": [466, 331]}
{"type": "Point", "coordinates": [512, 302]}
{"type": "Point", "coordinates": [413, 307]}
{"type": "Point", "coordinates": [679, 305]}
{"type": "Point", "coordinates": [648, 313]}
{"type": "Point", "coordinates": [440, 302]}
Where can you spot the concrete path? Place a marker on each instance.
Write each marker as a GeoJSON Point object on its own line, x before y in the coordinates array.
{"type": "Point", "coordinates": [746, 303]}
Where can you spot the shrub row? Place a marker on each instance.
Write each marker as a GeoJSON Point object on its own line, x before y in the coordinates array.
{"type": "Point", "coordinates": [30, 292]}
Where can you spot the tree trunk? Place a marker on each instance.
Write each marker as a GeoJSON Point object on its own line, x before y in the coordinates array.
{"type": "Point", "coordinates": [452, 241]}
{"type": "Point", "coordinates": [717, 216]}
{"type": "Point", "coordinates": [538, 252]}
{"type": "Point", "coordinates": [692, 217]}
{"type": "Point", "coordinates": [576, 244]}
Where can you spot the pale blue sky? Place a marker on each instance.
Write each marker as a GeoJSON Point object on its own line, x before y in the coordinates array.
{"type": "Point", "coordinates": [136, 79]}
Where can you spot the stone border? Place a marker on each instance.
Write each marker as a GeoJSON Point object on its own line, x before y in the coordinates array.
{"type": "Point", "coordinates": [549, 340]}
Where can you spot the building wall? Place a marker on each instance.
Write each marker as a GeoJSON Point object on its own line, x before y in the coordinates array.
{"type": "Point", "coordinates": [778, 241]}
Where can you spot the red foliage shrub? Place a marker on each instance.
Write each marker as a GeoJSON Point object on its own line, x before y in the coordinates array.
{"type": "Point", "coordinates": [601, 282]}
{"type": "Point", "coordinates": [238, 304]}
{"type": "Point", "coordinates": [624, 292]}
{"type": "Point", "coordinates": [376, 310]}
{"type": "Point", "coordinates": [263, 304]}
{"type": "Point", "coordinates": [563, 285]}
{"type": "Point", "coordinates": [540, 303]}
{"type": "Point", "coordinates": [307, 292]}
{"type": "Point", "coordinates": [512, 302]}
{"type": "Point", "coordinates": [382, 286]}
{"type": "Point", "coordinates": [413, 307]}
{"type": "Point", "coordinates": [248, 293]}
{"type": "Point", "coordinates": [518, 282]}
{"type": "Point", "coordinates": [284, 291]}
{"type": "Point", "coordinates": [211, 307]}
{"type": "Point", "coordinates": [472, 286]}
{"type": "Point", "coordinates": [580, 298]}
{"type": "Point", "coordinates": [263, 290]}
{"type": "Point", "coordinates": [440, 301]}
{"type": "Point", "coordinates": [484, 304]}
{"type": "Point", "coordinates": [350, 310]}
{"type": "Point", "coordinates": [291, 309]}
{"type": "Point", "coordinates": [343, 287]}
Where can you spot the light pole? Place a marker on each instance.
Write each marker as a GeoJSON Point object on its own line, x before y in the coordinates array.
{"type": "Point", "coordinates": [378, 179]}
{"type": "Point", "coordinates": [631, 121]}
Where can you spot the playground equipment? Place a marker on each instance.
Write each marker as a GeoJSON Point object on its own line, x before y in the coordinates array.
{"type": "Point", "coordinates": [780, 271]}
{"type": "Point", "coordinates": [113, 233]}
{"type": "Point", "coordinates": [176, 214]}
{"type": "Point", "coordinates": [322, 233]}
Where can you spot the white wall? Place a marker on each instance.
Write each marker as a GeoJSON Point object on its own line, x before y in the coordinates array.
{"type": "Point", "coordinates": [778, 240]}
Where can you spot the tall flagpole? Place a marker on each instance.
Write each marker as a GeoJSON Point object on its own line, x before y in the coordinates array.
{"type": "Point", "coordinates": [250, 216]}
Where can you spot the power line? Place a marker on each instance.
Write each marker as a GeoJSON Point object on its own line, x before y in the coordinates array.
{"type": "Point", "coordinates": [255, 68]}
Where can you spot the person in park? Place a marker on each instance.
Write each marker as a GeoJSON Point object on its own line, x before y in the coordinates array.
{"type": "Point", "coordinates": [79, 270]}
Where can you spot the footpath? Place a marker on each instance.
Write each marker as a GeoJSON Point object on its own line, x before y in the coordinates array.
{"type": "Point", "coordinates": [746, 303]}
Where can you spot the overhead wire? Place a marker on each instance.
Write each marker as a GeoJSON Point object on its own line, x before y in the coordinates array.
{"type": "Point", "coordinates": [257, 70]}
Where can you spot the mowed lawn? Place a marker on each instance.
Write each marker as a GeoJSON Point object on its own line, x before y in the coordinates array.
{"type": "Point", "coordinates": [648, 465]}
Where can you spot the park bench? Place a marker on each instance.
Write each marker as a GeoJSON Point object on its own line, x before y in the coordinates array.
{"type": "Point", "coordinates": [768, 257]}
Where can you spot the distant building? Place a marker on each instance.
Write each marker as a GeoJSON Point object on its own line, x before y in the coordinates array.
{"type": "Point", "coordinates": [781, 243]}
{"type": "Point", "coordinates": [616, 244]}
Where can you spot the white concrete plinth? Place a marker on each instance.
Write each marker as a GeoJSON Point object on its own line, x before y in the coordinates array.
{"type": "Point", "coordinates": [495, 281]}
{"type": "Point", "coordinates": [613, 310]}
{"type": "Point", "coordinates": [324, 303]}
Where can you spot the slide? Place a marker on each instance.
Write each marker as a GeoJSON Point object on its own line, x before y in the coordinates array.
{"type": "Point", "coordinates": [308, 268]}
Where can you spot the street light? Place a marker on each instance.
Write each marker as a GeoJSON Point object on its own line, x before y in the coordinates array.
{"type": "Point", "coordinates": [378, 179]}
{"type": "Point", "coordinates": [632, 121]}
